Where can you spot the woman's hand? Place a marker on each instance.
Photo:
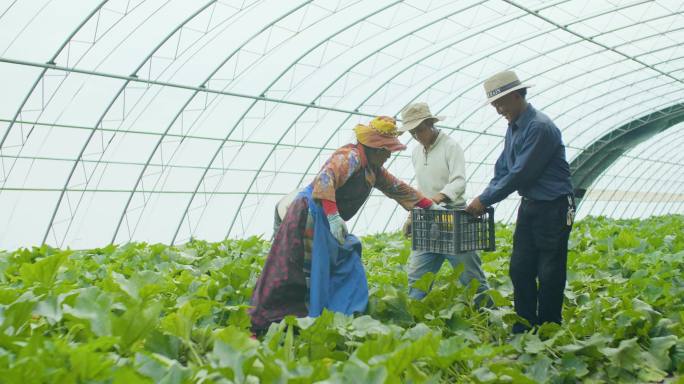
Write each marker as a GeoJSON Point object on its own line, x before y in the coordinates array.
{"type": "Point", "coordinates": [440, 198]}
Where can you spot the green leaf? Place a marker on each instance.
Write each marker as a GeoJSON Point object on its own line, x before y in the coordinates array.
{"type": "Point", "coordinates": [366, 325]}
{"type": "Point", "coordinates": [484, 375]}
{"type": "Point", "coordinates": [128, 375]}
{"type": "Point", "coordinates": [44, 271]}
{"type": "Point", "coordinates": [425, 282]}
{"type": "Point", "coordinates": [377, 349]}
{"type": "Point", "coordinates": [141, 285]}
{"type": "Point", "coordinates": [163, 344]}
{"type": "Point", "coordinates": [93, 306]}
{"type": "Point", "coordinates": [626, 239]}
{"type": "Point", "coordinates": [627, 355]}
{"type": "Point", "coordinates": [14, 318]}
{"type": "Point", "coordinates": [388, 304]}
{"type": "Point", "coordinates": [236, 338]}
{"type": "Point", "coordinates": [416, 332]}
{"type": "Point", "coordinates": [162, 370]}
{"type": "Point", "coordinates": [649, 373]}
{"type": "Point", "coordinates": [592, 347]}
{"type": "Point", "coordinates": [574, 366]}
{"type": "Point", "coordinates": [234, 355]}
{"type": "Point", "coordinates": [540, 370]}
{"type": "Point", "coordinates": [678, 357]}
{"type": "Point", "coordinates": [136, 323]}
{"type": "Point", "coordinates": [181, 322]}
{"type": "Point", "coordinates": [533, 344]}
{"type": "Point", "coordinates": [356, 371]}
{"type": "Point", "coordinates": [320, 337]}
{"type": "Point", "coordinates": [50, 308]}
{"type": "Point", "coordinates": [406, 354]}
{"type": "Point", "coordinates": [498, 299]}
{"type": "Point", "coordinates": [88, 364]}
{"type": "Point", "coordinates": [452, 349]}
{"type": "Point", "coordinates": [659, 351]}
{"type": "Point", "coordinates": [506, 371]}
{"type": "Point", "coordinates": [238, 316]}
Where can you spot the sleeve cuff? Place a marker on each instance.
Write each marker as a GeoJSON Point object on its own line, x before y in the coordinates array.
{"type": "Point", "coordinates": [485, 200]}
{"type": "Point", "coordinates": [449, 194]}
{"type": "Point", "coordinates": [424, 203]}
{"type": "Point", "coordinates": [329, 207]}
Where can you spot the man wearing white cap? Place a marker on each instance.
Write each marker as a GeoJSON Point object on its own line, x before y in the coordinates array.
{"type": "Point", "coordinates": [440, 172]}
{"type": "Point", "coordinates": [532, 163]}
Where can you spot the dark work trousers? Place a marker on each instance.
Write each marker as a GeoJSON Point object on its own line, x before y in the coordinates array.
{"type": "Point", "coordinates": [540, 252]}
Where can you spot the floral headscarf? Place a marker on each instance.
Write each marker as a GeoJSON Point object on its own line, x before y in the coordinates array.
{"type": "Point", "coordinates": [381, 132]}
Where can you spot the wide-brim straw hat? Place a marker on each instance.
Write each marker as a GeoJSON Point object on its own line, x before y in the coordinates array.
{"type": "Point", "coordinates": [414, 114]}
{"type": "Point", "coordinates": [502, 84]}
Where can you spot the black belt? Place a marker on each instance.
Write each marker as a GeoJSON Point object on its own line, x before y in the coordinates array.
{"type": "Point", "coordinates": [570, 197]}
{"type": "Point", "coordinates": [570, 214]}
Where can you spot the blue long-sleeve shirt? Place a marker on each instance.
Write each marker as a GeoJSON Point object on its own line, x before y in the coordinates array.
{"type": "Point", "coordinates": [532, 162]}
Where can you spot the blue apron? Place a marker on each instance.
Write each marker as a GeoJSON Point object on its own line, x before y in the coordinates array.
{"type": "Point", "coordinates": [338, 280]}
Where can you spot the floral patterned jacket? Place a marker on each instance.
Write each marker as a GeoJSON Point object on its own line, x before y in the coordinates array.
{"type": "Point", "coordinates": [347, 179]}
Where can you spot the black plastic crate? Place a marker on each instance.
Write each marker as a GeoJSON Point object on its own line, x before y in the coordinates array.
{"type": "Point", "coordinates": [452, 231]}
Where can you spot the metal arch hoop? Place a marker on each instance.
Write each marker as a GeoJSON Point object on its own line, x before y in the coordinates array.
{"type": "Point", "coordinates": [548, 70]}
{"type": "Point", "coordinates": [197, 90]}
{"type": "Point", "coordinates": [320, 94]}
{"type": "Point", "coordinates": [248, 109]}
{"type": "Point", "coordinates": [625, 138]}
{"type": "Point", "coordinates": [123, 87]}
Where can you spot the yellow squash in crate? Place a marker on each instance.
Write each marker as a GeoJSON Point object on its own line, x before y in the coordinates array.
{"type": "Point", "coordinates": [449, 221]}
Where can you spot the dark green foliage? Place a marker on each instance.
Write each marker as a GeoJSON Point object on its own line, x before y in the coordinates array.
{"type": "Point", "coordinates": [141, 313]}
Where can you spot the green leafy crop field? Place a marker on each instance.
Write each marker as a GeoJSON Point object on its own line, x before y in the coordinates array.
{"type": "Point", "coordinates": [142, 313]}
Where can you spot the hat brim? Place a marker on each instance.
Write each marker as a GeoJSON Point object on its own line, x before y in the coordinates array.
{"type": "Point", "coordinates": [391, 144]}
{"type": "Point", "coordinates": [414, 124]}
{"type": "Point", "coordinates": [506, 92]}
{"type": "Point", "coordinates": [395, 147]}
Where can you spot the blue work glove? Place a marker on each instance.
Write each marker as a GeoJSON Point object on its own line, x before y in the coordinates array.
{"type": "Point", "coordinates": [338, 228]}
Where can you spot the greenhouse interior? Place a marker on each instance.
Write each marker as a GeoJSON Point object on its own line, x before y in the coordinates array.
{"type": "Point", "coordinates": [146, 145]}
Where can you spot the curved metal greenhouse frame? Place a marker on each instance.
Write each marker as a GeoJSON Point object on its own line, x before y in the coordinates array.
{"type": "Point", "coordinates": [165, 120]}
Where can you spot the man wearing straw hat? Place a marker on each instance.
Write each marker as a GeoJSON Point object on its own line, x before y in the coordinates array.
{"type": "Point", "coordinates": [532, 163]}
{"type": "Point", "coordinates": [440, 173]}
